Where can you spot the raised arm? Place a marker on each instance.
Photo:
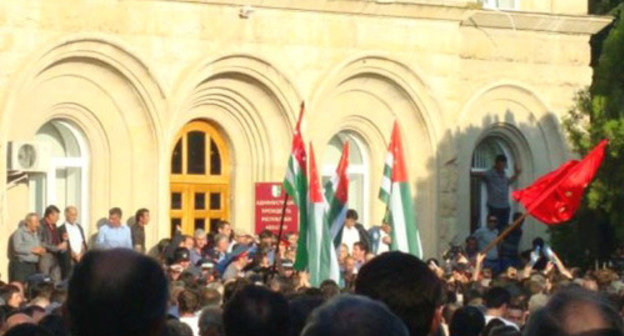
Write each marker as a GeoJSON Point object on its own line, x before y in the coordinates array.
{"type": "Point", "coordinates": [517, 172]}
{"type": "Point", "coordinates": [477, 270]}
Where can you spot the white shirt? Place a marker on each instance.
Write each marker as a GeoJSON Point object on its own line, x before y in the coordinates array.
{"type": "Point", "coordinates": [192, 322]}
{"type": "Point", "coordinates": [350, 236]}
{"type": "Point", "coordinates": [75, 238]}
{"type": "Point", "coordinates": [383, 247]}
{"type": "Point", "coordinates": [489, 318]}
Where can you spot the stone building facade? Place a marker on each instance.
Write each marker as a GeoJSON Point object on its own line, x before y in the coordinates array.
{"type": "Point", "coordinates": [109, 88]}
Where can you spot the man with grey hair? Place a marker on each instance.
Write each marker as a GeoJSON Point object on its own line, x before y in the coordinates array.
{"type": "Point", "coordinates": [575, 311]}
{"type": "Point", "coordinates": [26, 249]}
{"type": "Point", "coordinates": [211, 322]}
{"type": "Point", "coordinates": [220, 249]}
{"type": "Point", "coordinates": [197, 252]}
{"type": "Point", "coordinates": [344, 315]}
{"type": "Point", "coordinates": [72, 232]}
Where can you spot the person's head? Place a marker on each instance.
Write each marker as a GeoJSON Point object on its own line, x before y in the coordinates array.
{"type": "Point", "coordinates": [504, 330]}
{"type": "Point", "coordinates": [11, 296]}
{"type": "Point", "coordinates": [256, 311]}
{"type": "Point", "coordinates": [266, 238]}
{"type": "Point", "coordinates": [188, 242]}
{"type": "Point", "coordinates": [114, 216]}
{"type": "Point", "coordinates": [516, 314]}
{"type": "Point", "coordinates": [182, 257]}
{"type": "Point", "coordinates": [27, 329]}
{"type": "Point", "coordinates": [211, 322]}
{"type": "Point", "coordinates": [221, 242]}
{"type": "Point", "coordinates": [497, 298]}
{"type": "Point", "coordinates": [116, 292]}
{"type": "Point", "coordinates": [409, 288]}
{"type": "Point", "coordinates": [538, 242]}
{"type": "Point", "coordinates": [344, 252]}
{"type": "Point", "coordinates": [51, 214]}
{"type": "Point", "coordinates": [54, 324]}
{"type": "Point", "coordinates": [329, 289]}
{"type": "Point", "coordinates": [471, 243]}
{"type": "Point", "coordinates": [71, 214]}
{"type": "Point", "coordinates": [385, 227]}
{"type": "Point", "coordinates": [501, 162]}
{"type": "Point", "coordinates": [142, 216]}
{"type": "Point", "coordinates": [349, 265]}
{"type": "Point", "coordinates": [300, 309]}
{"type": "Point", "coordinates": [467, 321]}
{"type": "Point", "coordinates": [188, 302]}
{"type": "Point", "coordinates": [359, 251]}
{"type": "Point", "coordinates": [31, 221]}
{"type": "Point", "coordinates": [200, 239]}
{"type": "Point", "coordinates": [491, 222]}
{"type": "Point", "coordinates": [351, 218]}
{"type": "Point", "coordinates": [573, 311]}
{"type": "Point", "coordinates": [209, 297]}
{"type": "Point", "coordinates": [224, 228]}
{"type": "Point", "coordinates": [175, 327]}
{"type": "Point", "coordinates": [355, 316]}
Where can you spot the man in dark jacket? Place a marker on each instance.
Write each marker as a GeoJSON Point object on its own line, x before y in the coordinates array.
{"type": "Point", "coordinates": [71, 232]}
{"type": "Point", "coordinates": [353, 232]}
{"type": "Point", "coordinates": [51, 240]}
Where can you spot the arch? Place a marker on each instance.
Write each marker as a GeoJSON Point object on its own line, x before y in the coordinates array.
{"type": "Point", "coordinates": [516, 113]}
{"type": "Point", "coordinates": [254, 104]}
{"type": "Point", "coordinates": [101, 86]}
{"type": "Point", "coordinates": [365, 95]}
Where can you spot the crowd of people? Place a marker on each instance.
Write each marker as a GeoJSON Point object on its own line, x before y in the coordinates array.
{"type": "Point", "coordinates": [228, 283]}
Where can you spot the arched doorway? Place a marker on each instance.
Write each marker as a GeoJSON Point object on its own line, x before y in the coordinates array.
{"type": "Point", "coordinates": [200, 178]}
{"type": "Point", "coordinates": [66, 180]}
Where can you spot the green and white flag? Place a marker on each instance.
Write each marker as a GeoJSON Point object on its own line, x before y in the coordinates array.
{"type": "Point", "coordinates": [322, 258]}
{"type": "Point", "coordinates": [337, 196]}
{"type": "Point", "coordinates": [395, 193]}
{"type": "Point", "coordinates": [296, 185]}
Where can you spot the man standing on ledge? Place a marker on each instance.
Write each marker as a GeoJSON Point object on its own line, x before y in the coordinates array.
{"type": "Point", "coordinates": [141, 218]}
{"type": "Point", "coordinates": [497, 185]}
{"type": "Point", "coordinates": [113, 234]}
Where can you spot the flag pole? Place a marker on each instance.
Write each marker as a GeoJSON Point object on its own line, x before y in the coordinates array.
{"type": "Point", "coordinates": [504, 234]}
{"type": "Point", "coordinates": [279, 234]}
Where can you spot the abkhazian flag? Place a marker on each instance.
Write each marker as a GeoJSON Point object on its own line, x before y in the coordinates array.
{"type": "Point", "coordinates": [296, 185]}
{"type": "Point", "coordinates": [337, 196]}
{"type": "Point", "coordinates": [395, 193]}
{"type": "Point", "coordinates": [322, 258]}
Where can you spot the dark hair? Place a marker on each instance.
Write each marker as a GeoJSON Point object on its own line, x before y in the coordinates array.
{"type": "Point", "coordinates": [181, 254]}
{"type": "Point", "coordinates": [59, 295]}
{"type": "Point", "coordinates": [362, 245]}
{"type": "Point", "coordinates": [256, 311]}
{"type": "Point", "coordinates": [329, 288]}
{"type": "Point", "coordinates": [54, 324]}
{"type": "Point", "coordinates": [538, 242]}
{"type": "Point", "coordinates": [6, 292]}
{"type": "Point", "coordinates": [494, 323]}
{"type": "Point", "coordinates": [211, 319]}
{"type": "Point", "coordinates": [174, 327]}
{"type": "Point", "coordinates": [356, 316]}
{"type": "Point", "coordinates": [116, 292]}
{"type": "Point", "coordinates": [266, 234]}
{"type": "Point", "coordinates": [32, 309]}
{"type": "Point", "coordinates": [406, 285]}
{"type": "Point", "coordinates": [231, 288]}
{"type": "Point", "coordinates": [222, 224]}
{"type": "Point", "coordinates": [43, 289]}
{"type": "Point", "coordinates": [501, 158]}
{"type": "Point", "coordinates": [504, 330]}
{"type": "Point", "coordinates": [27, 329]}
{"type": "Point", "coordinates": [209, 297]}
{"type": "Point", "coordinates": [115, 211]}
{"type": "Point", "coordinates": [552, 318]}
{"type": "Point", "coordinates": [496, 297]}
{"type": "Point", "coordinates": [352, 214]}
{"type": "Point", "coordinates": [188, 301]}
{"type": "Point", "coordinates": [139, 213]}
{"type": "Point", "coordinates": [51, 209]}
{"type": "Point", "coordinates": [467, 321]}
{"type": "Point", "coordinates": [516, 215]}
{"type": "Point", "coordinates": [300, 309]}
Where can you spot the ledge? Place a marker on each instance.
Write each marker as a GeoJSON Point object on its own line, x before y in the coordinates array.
{"type": "Point", "coordinates": [566, 24]}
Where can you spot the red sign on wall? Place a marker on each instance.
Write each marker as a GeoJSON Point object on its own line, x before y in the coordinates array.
{"type": "Point", "coordinates": [269, 204]}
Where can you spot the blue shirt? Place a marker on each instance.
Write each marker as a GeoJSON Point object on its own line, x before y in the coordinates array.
{"type": "Point", "coordinates": [111, 237]}
{"type": "Point", "coordinates": [497, 185]}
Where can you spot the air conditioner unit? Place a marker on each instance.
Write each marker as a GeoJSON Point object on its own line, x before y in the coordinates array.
{"type": "Point", "coordinates": [29, 156]}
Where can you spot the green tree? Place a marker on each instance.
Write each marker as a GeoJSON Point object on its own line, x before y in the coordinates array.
{"type": "Point", "coordinates": [598, 113]}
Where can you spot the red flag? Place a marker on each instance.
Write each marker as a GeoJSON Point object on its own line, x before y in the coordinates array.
{"type": "Point", "coordinates": [555, 197]}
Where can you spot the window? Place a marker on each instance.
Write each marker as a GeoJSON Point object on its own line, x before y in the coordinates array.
{"type": "Point", "coordinates": [482, 160]}
{"type": "Point", "coordinates": [502, 4]}
{"type": "Point", "coordinates": [65, 183]}
{"type": "Point", "coordinates": [358, 170]}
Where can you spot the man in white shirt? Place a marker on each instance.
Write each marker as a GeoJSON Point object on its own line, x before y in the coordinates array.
{"type": "Point", "coordinates": [496, 302]}
{"type": "Point", "coordinates": [73, 233]}
{"type": "Point", "coordinates": [353, 232]}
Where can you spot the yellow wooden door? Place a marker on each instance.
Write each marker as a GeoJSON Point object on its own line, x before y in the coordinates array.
{"type": "Point", "coordinates": [200, 178]}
